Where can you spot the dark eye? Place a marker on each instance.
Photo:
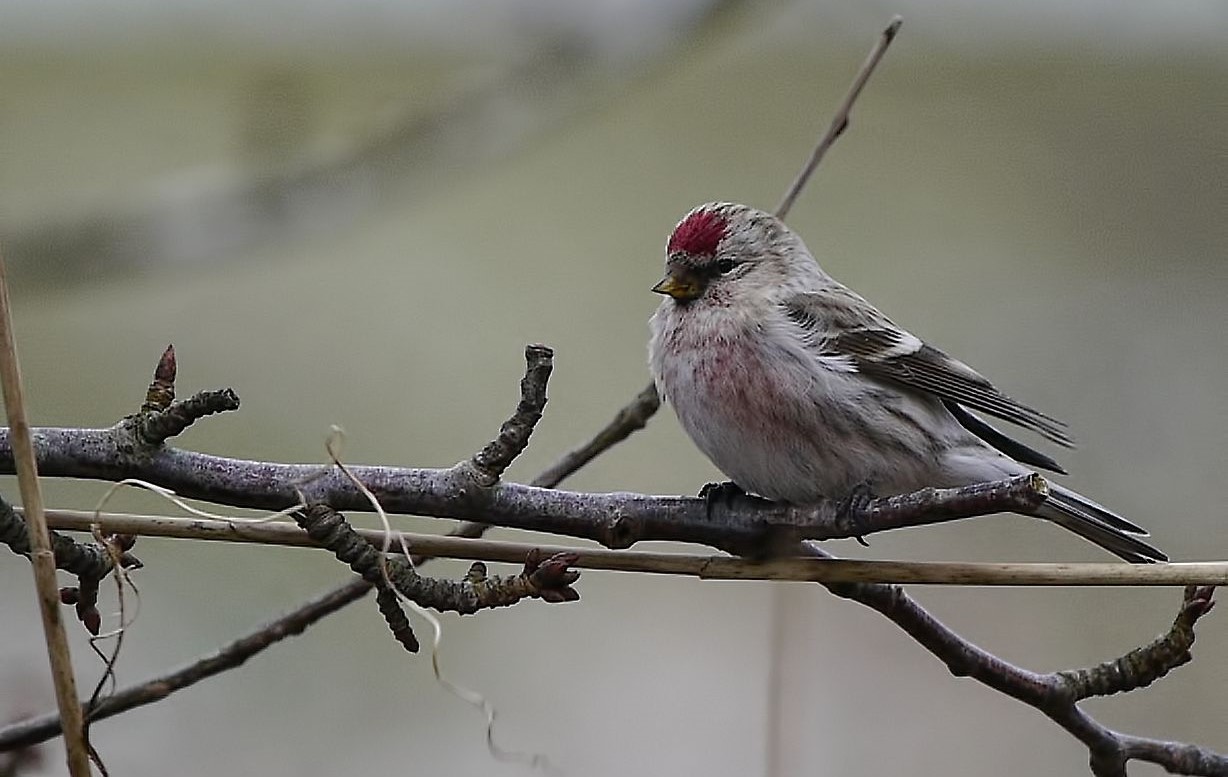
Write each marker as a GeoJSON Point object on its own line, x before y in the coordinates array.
{"type": "Point", "coordinates": [725, 265]}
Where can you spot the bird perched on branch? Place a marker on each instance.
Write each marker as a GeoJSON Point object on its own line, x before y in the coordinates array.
{"type": "Point", "coordinates": [798, 389]}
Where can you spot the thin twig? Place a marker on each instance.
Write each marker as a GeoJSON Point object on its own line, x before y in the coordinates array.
{"type": "Point", "coordinates": [90, 562]}
{"type": "Point", "coordinates": [549, 580]}
{"type": "Point", "coordinates": [627, 421]}
{"type": "Point", "coordinates": [840, 121]}
{"type": "Point", "coordinates": [703, 566]}
{"type": "Point", "coordinates": [41, 556]}
{"type": "Point", "coordinates": [492, 461]}
{"type": "Point", "coordinates": [43, 727]}
{"type": "Point", "coordinates": [154, 427]}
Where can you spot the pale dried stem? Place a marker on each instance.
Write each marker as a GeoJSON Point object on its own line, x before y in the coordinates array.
{"type": "Point", "coordinates": [696, 565]}
{"type": "Point", "coordinates": [41, 556]}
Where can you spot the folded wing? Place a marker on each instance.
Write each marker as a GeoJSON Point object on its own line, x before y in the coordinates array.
{"type": "Point", "coordinates": [853, 330]}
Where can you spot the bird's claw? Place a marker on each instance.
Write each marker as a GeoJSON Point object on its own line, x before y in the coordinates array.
{"type": "Point", "coordinates": [852, 510]}
{"type": "Point", "coordinates": [724, 492]}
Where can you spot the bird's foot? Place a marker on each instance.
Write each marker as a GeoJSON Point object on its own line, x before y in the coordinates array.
{"type": "Point", "coordinates": [725, 493]}
{"type": "Point", "coordinates": [852, 509]}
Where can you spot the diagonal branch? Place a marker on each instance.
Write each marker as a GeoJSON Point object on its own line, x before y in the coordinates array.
{"type": "Point", "coordinates": [43, 727]}
{"type": "Point", "coordinates": [1056, 694]}
{"type": "Point", "coordinates": [840, 122]}
{"type": "Point", "coordinates": [154, 427]}
{"type": "Point", "coordinates": [489, 463]}
{"type": "Point", "coordinates": [1145, 665]}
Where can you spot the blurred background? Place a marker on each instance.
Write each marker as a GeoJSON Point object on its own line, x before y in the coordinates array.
{"type": "Point", "coordinates": [358, 213]}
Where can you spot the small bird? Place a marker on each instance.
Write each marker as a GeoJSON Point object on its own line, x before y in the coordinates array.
{"type": "Point", "coordinates": [799, 390]}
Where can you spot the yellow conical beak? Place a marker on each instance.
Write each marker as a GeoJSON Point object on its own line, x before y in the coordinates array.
{"type": "Point", "coordinates": [680, 288]}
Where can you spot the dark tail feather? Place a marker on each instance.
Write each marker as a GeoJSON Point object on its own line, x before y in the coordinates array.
{"type": "Point", "coordinates": [1077, 503]}
{"type": "Point", "coordinates": [1013, 448]}
{"type": "Point", "coordinates": [1099, 525]}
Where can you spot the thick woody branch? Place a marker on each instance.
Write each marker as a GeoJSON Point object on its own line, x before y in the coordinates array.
{"type": "Point", "coordinates": [619, 520]}
{"type": "Point", "coordinates": [470, 491]}
{"type": "Point", "coordinates": [615, 520]}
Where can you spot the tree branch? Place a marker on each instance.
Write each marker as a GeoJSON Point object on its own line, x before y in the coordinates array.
{"type": "Point", "coordinates": [840, 122]}
{"type": "Point", "coordinates": [1056, 694]}
{"type": "Point", "coordinates": [549, 580]}
{"type": "Point", "coordinates": [628, 420]}
{"type": "Point", "coordinates": [490, 463]}
{"type": "Point", "coordinates": [38, 729]}
{"type": "Point", "coordinates": [1143, 666]}
{"type": "Point", "coordinates": [90, 562]}
{"type": "Point", "coordinates": [616, 520]}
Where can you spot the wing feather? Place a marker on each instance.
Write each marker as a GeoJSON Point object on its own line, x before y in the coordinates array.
{"type": "Point", "coordinates": [840, 323]}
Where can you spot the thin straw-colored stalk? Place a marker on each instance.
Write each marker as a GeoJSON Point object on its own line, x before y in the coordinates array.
{"type": "Point", "coordinates": [702, 566]}
{"type": "Point", "coordinates": [41, 557]}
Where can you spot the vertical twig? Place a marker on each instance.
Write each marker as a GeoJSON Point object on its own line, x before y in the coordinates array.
{"type": "Point", "coordinates": [840, 121]}
{"type": "Point", "coordinates": [41, 556]}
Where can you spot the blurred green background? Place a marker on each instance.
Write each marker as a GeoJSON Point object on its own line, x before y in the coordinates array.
{"type": "Point", "coordinates": [359, 214]}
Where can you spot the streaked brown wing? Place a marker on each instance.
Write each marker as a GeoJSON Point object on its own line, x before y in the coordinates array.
{"type": "Point", "coordinates": [880, 349]}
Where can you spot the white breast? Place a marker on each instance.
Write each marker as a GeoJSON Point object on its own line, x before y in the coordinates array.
{"type": "Point", "coordinates": [779, 420]}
